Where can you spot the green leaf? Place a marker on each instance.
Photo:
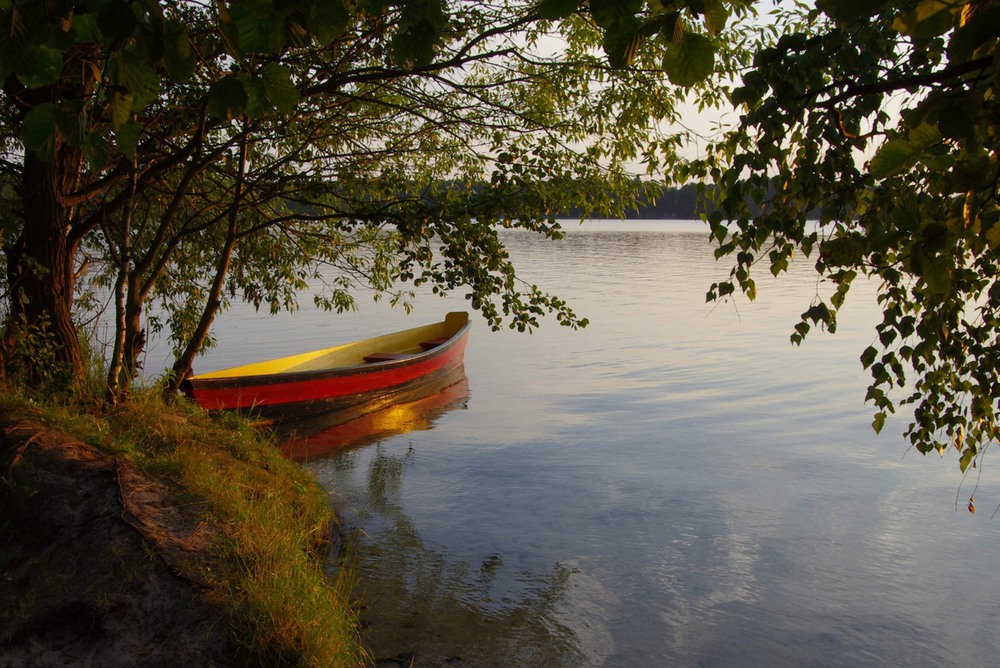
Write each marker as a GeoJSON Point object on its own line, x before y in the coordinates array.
{"type": "Point", "coordinates": [937, 275]}
{"type": "Point", "coordinates": [227, 98]}
{"type": "Point", "coordinates": [968, 456]}
{"type": "Point", "coordinates": [820, 313]}
{"type": "Point", "coordinates": [929, 18]}
{"type": "Point", "coordinates": [893, 157]}
{"type": "Point", "coordinates": [958, 120]}
{"type": "Point", "coordinates": [128, 72]}
{"type": "Point", "coordinates": [928, 9]}
{"type": "Point", "coordinates": [178, 57]}
{"type": "Point", "coordinates": [258, 105]}
{"type": "Point", "coordinates": [719, 229]}
{"type": "Point", "coordinates": [887, 336]}
{"type": "Point", "coordinates": [868, 356]}
{"type": "Point", "coordinates": [7, 64]}
{"type": "Point", "coordinates": [716, 15]}
{"type": "Point", "coordinates": [120, 107]}
{"type": "Point", "coordinates": [607, 13]}
{"type": "Point", "coordinates": [849, 10]}
{"type": "Point", "coordinates": [127, 138]}
{"type": "Point", "coordinates": [372, 7]}
{"type": "Point", "coordinates": [879, 422]}
{"type": "Point", "coordinates": [837, 299]}
{"type": "Point", "coordinates": [423, 14]}
{"type": "Point", "coordinates": [257, 33]}
{"type": "Point", "coordinates": [876, 395]}
{"type": "Point", "coordinates": [39, 131]}
{"type": "Point", "coordinates": [297, 34]}
{"type": "Point", "coordinates": [413, 48]}
{"type": "Point", "coordinates": [691, 61]}
{"type": "Point", "coordinates": [116, 20]}
{"type": "Point", "coordinates": [941, 162]}
{"type": "Point", "coordinates": [84, 28]}
{"type": "Point", "coordinates": [842, 251]}
{"type": "Point", "coordinates": [72, 122]}
{"type": "Point", "coordinates": [672, 27]}
{"type": "Point", "coordinates": [801, 330]}
{"type": "Point", "coordinates": [993, 236]}
{"type": "Point", "coordinates": [329, 21]}
{"type": "Point", "coordinates": [41, 66]}
{"type": "Point", "coordinates": [968, 38]}
{"type": "Point", "coordinates": [97, 151]}
{"type": "Point", "coordinates": [621, 44]}
{"type": "Point", "coordinates": [556, 9]}
{"type": "Point", "coordinates": [280, 88]}
{"type": "Point", "coordinates": [924, 136]}
{"type": "Point", "coordinates": [779, 262]}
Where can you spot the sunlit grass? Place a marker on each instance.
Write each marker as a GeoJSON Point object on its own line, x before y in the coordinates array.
{"type": "Point", "coordinates": [273, 517]}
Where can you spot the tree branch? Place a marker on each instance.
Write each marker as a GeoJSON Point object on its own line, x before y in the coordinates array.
{"type": "Point", "coordinates": [941, 76]}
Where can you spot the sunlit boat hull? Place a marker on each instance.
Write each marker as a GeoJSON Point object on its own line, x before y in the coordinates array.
{"type": "Point", "coordinates": [342, 382]}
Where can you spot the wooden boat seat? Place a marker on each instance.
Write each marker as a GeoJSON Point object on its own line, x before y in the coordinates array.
{"type": "Point", "coordinates": [386, 357]}
{"type": "Point", "coordinates": [433, 343]}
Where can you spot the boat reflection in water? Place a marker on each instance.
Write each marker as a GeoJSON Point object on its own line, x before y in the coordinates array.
{"type": "Point", "coordinates": [319, 436]}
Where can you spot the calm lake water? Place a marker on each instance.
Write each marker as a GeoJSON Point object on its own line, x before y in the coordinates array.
{"type": "Point", "coordinates": [675, 485]}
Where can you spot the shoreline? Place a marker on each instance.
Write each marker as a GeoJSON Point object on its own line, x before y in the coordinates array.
{"type": "Point", "coordinates": [175, 552]}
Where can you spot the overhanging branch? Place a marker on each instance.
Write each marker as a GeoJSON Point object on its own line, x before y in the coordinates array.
{"type": "Point", "coordinates": [945, 75]}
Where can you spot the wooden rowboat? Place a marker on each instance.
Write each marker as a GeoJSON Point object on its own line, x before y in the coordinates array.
{"type": "Point", "coordinates": [342, 382]}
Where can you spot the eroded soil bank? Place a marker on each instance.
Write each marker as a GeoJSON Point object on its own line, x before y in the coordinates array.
{"type": "Point", "coordinates": [90, 550]}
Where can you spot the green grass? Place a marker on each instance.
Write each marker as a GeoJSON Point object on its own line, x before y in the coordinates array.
{"type": "Point", "coordinates": [268, 573]}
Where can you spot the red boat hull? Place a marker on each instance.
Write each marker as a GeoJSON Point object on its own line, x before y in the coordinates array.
{"type": "Point", "coordinates": [350, 391]}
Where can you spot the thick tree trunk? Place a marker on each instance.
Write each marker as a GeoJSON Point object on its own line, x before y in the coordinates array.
{"type": "Point", "coordinates": [42, 260]}
{"type": "Point", "coordinates": [41, 264]}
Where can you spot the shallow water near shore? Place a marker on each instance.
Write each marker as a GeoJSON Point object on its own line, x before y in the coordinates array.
{"type": "Point", "coordinates": [676, 484]}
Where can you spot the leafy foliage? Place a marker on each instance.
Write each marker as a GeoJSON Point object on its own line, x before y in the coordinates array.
{"type": "Point", "coordinates": [883, 118]}
{"type": "Point", "coordinates": [198, 153]}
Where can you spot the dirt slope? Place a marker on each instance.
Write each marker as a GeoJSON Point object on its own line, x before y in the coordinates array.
{"type": "Point", "coordinates": [89, 555]}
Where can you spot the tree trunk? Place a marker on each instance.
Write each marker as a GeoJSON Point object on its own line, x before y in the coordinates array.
{"type": "Point", "coordinates": [135, 336]}
{"type": "Point", "coordinates": [41, 264]}
{"type": "Point", "coordinates": [121, 370]}
{"type": "Point", "coordinates": [130, 339]}
{"type": "Point", "coordinates": [184, 363]}
{"type": "Point", "coordinates": [114, 391]}
{"type": "Point", "coordinates": [42, 260]}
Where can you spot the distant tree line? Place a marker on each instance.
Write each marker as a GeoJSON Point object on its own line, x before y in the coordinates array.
{"type": "Point", "coordinates": [667, 204]}
{"type": "Point", "coordinates": [684, 203]}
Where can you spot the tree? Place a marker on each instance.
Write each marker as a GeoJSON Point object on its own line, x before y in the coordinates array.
{"type": "Point", "coordinates": [193, 152]}
{"type": "Point", "coordinates": [884, 118]}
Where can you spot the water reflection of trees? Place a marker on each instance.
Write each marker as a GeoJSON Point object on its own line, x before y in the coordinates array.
{"type": "Point", "coordinates": [421, 607]}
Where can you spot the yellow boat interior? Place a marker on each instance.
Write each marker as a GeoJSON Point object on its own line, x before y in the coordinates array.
{"type": "Point", "coordinates": [378, 349]}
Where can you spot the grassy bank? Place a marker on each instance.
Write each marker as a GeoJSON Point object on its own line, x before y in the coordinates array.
{"type": "Point", "coordinates": [272, 520]}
